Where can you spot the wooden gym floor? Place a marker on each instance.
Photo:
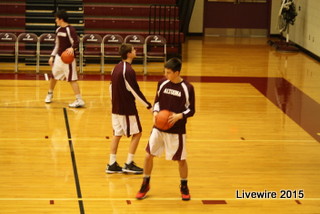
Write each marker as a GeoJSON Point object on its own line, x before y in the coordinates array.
{"type": "Point", "coordinates": [256, 129]}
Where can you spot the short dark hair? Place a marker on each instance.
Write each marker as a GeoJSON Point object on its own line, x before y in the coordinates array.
{"type": "Point", "coordinates": [174, 64]}
{"type": "Point", "coordinates": [62, 14]}
{"type": "Point", "coordinates": [124, 50]}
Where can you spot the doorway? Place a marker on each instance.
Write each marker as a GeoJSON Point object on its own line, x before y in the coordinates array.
{"type": "Point", "coordinates": [237, 17]}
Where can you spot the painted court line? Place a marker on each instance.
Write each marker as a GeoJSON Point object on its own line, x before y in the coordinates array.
{"type": "Point", "coordinates": [156, 199]}
{"type": "Point", "coordinates": [146, 139]}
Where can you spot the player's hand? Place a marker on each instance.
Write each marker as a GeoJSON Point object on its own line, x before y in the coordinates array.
{"type": "Point", "coordinates": [151, 110]}
{"type": "Point", "coordinates": [174, 118]}
{"type": "Point", "coordinates": [70, 51]}
{"type": "Point", "coordinates": [155, 113]}
{"type": "Point", "coordinates": [50, 61]}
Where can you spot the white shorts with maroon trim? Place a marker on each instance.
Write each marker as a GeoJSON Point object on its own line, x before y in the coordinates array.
{"type": "Point", "coordinates": [173, 144]}
{"type": "Point", "coordinates": [126, 125]}
{"type": "Point", "coordinates": [62, 71]}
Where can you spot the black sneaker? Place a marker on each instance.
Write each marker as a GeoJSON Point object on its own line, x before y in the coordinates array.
{"type": "Point", "coordinates": [185, 195]}
{"type": "Point", "coordinates": [132, 168]}
{"type": "Point", "coordinates": [114, 168]}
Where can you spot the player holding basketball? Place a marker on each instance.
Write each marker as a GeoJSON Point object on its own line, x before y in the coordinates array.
{"type": "Point", "coordinates": [176, 95]}
{"type": "Point", "coordinates": [124, 90]}
{"type": "Point", "coordinates": [66, 39]}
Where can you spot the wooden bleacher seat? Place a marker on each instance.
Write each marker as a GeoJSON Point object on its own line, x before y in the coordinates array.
{"type": "Point", "coordinates": [17, 8]}
{"type": "Point", "coordinates": [116, 10]}
{"type": "Point", "coordinates": [117, 23]}
{"type": "Point", "coordinates": [12, 21]}
{"type": "Point", "coordinates": [12, 17]}
{"type": "Point", "coordinates": [130, 1]}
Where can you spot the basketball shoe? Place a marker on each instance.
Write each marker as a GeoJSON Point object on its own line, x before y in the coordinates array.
{"type": "Point", "coordinates": [113, 168]}
{"type": "Point", "coordinates": [49, 97]}
{"type": "Point", "coordinates": [77, 103]}
{"type": "Point", "coordinates": [185, 195]}
{"type": "Point", "coordinates": [132, 168]}
{"type": "Point", "coordinates": [145, 187]}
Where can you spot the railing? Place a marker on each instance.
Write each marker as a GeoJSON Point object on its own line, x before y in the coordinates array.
{"type": "Point", "coordinates": [164, 20]}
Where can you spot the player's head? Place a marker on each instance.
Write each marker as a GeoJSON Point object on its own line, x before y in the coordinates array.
{"type": "Point", "coordinates": [127, 51]}
{"type": "Point", "coordinates": [61, 15]}
{"type": "Point", "coordinates": [173, 64]}
{"type": "Point", "coordinates": [172, 69]}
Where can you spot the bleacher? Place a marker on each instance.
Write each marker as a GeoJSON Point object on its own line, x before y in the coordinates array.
{"type": "Point", "coordinates": [102, 17]}
{"type": "Point", "coordinates": [12, 16]}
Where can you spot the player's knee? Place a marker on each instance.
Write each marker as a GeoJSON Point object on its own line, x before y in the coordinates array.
{"type": "Point", "coordinates": [149, 156]}
{"type": "Point", "coordinates": [137, 134]}
{"type": "Point", "coordinates": [182, 162]}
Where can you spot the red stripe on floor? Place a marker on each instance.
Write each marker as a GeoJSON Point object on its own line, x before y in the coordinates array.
{"type": "Point", "coordinates": [214, 202]}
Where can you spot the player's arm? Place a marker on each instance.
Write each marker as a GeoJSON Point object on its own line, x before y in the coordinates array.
{"type": "Point", "coordinates": [75, 38]}
{"type": "Point", "coordinates": [74, 41]}
{"type": "Point", "coordinates": [189, 112]}
{"type": "Point", "coordinates": [133, 87]}
{"type": "Point", "coordinates": [54, 52]}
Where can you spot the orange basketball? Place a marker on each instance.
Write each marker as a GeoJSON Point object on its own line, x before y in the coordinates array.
{"type": "Point", "coordinates": [67, 58]}
{"type": "Point", "coordinates": [162, 120]}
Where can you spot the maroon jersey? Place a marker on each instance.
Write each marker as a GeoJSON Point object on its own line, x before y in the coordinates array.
{"type": "Point", "coordinates": [177, 98]}
{"type": "Point", "coordinates": [66, 38]}
{"type": "Point", "coordinates": [125, 89]}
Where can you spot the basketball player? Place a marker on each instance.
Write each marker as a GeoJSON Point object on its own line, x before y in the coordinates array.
{"type": "Point", "coordinates": [66, 39]}
{"type": "Point", "coordinates": [124, 90]}
{"type": "Point", "coordinates": [176, 95]}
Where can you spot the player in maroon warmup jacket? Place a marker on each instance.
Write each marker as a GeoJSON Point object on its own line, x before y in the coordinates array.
{"type": "Point", "coordinates": [66, 39]}
{"type": "Point", "coordinates": [124, 90]}
{"type": "Point", "coordinates": [176, 95]}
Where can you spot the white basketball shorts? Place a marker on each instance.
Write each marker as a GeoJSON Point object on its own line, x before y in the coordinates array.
{"type": "Point", "coordinates": [126, 125]}
{"type": "Point", "coordinates": [173, 144]}
{"type": "Point", "coordinates": [62, 71]}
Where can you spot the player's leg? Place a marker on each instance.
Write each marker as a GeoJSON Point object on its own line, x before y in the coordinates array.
{"type": "Point", "coordinates": [134, 143]}
{"type": "Point", "coordinates": [76, 90]}
{"type": "Point", "coordinates": [145, 186]}
{"type": "Point", "coordinates": [183, 171]}
{"type": "Point", "coordinates": [175, 146]}
{"type": "Point", "coordinates": [155, 147]}
{"type": "Point", "coordinates": [134, 128]}
{"type": "Point", "coordinates": [52, 85]}
{"type": "Point", "coordinates": [56, 75]}
{"type": "Point", "coordinates": [70, 71]}
{"type": "Point", "coordinates": [130, 165]}
{"type": "Point", "coordinates": [113, 166]}
{"type": "Point", "coordinates": [148, 165]}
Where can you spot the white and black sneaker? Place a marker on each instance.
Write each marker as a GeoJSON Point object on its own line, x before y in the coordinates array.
{"type": "Point", "coordinates": [78, 103]}
{"type": "Point", "coordinates": [49, 97]}
{"type": "Point", "coordinates": [132, 168]}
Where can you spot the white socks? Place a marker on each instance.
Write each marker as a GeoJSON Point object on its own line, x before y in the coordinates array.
{"type": "Point", "coordinates": [130, 158]}
{"type": "Point", "coordinates": [113, 158]}
{"type": "Point", "coordinates": [79, 97]}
